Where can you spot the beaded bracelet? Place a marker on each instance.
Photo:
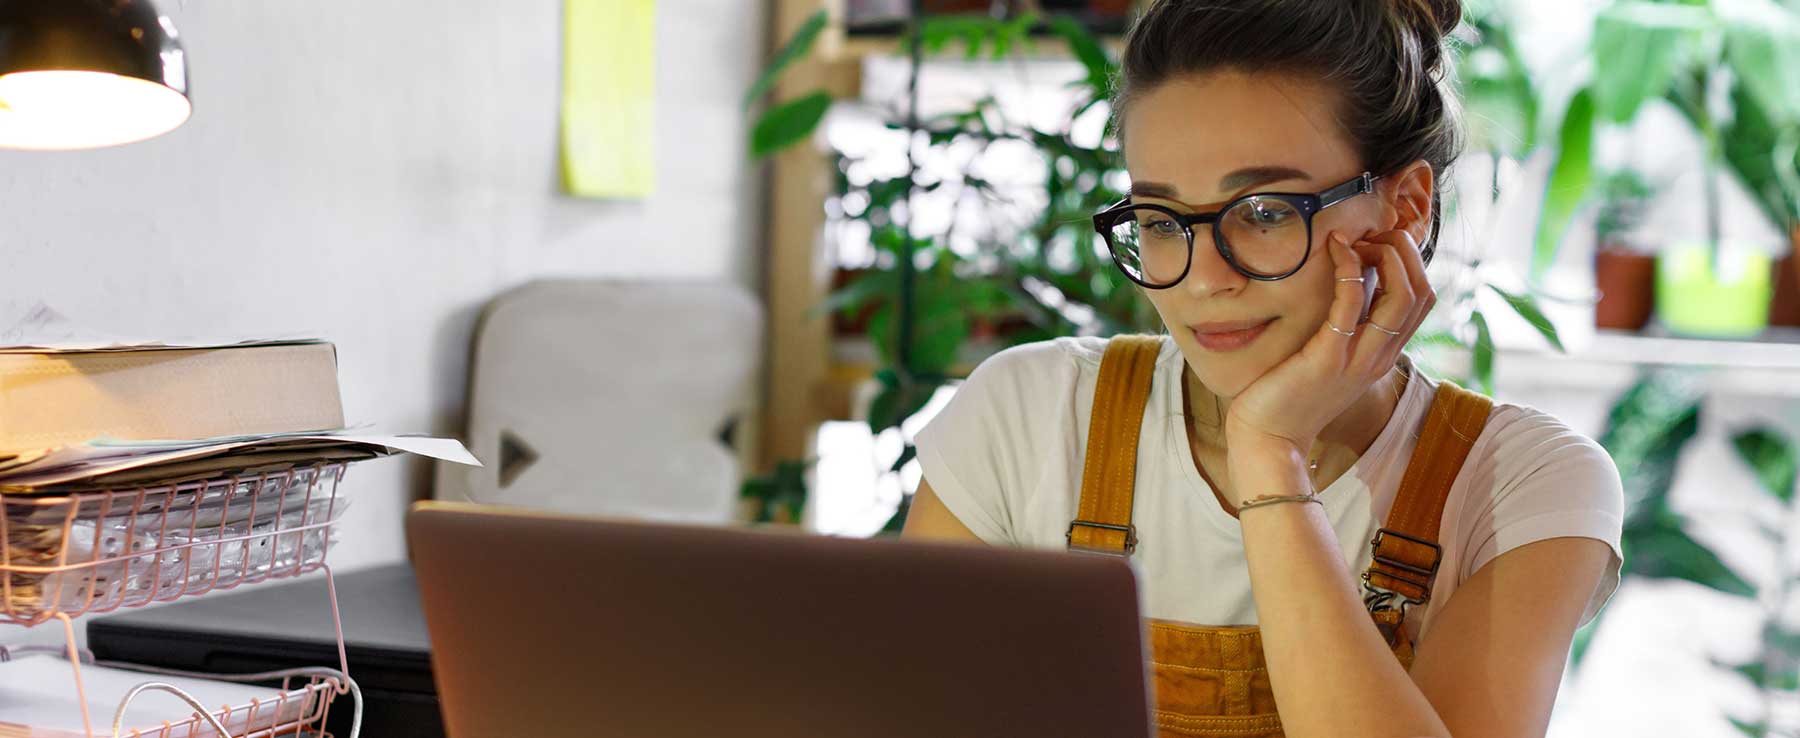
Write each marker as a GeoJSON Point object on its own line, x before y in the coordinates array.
{"type": "Point", "coordinates": [1272, 500]}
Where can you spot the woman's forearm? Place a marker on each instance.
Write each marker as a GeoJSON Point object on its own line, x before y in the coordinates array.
{"type": "Point", "coordinates": [1332, 672]}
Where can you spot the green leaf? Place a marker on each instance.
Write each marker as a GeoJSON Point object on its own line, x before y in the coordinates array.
{"type": "Point", "coordinates": [1017, 30]}
{"type": "Point", "coordinates": [906, 455]}
{"type": "Point", "coordinates": [797, 46]}
{"type": "Point", "coordinates": [1526, 307]}
{"type": "Point", "coordinates": [1665, 552]}
{"type": "Point", "coordinates": [1646, 430]}
{"type": "Point", "coordinates": [1637, 46]}
{"type": "Point", "coordinates": [1762, 45]}
{"type": "Point", "coordinates": [868, 286]}
{"type": "Point", "coordinates": [1569, 180]}
{"type": "Point", "coordinates": [1088, 51]}
{"type": "Point", "coordinates": [1754, 730]}
{"type": "Point", "coordinates": [788, 123]}
{"type": "Point", "coordinates": [1500, 98]}
{"type": "Point", "coordinates": [1752, 671]}
{"type": "Point", "coordinates": [1583, 637]}
{"type": "Point", "coordinates": [1483, 353]}
{"type": "Point", "coordinates": [897, 523]}
{"type": "Point", "coordinates": [1772, 456]}
{"type": "Point", "coordinates": [1434, 339]}
{"type": "Point", "coordinates": [1780, 640]}
{"type": "Point", "coordinates": [897, 401]}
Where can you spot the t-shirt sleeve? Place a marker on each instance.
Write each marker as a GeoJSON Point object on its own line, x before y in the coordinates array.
{"type": "Point", "coordinates": [977, 453]}
{"type": "Point", "coordinates": [1546, 481]}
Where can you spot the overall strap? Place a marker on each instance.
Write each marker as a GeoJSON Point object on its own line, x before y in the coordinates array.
{"type": "Point", "coordinates": [1406, 550]}
{"type": "Point", "coordinates": [1109, 472]}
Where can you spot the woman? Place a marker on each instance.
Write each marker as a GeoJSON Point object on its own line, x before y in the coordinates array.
{"type": "Point", "coordinates": [1252, 462]}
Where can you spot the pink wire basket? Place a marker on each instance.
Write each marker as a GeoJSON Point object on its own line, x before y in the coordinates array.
{"type": "Point", "coordinates": [299, 704]}
{"type": "Point", "coordinates": [92, 552]}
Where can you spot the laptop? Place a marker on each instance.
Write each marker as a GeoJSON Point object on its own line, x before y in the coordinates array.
{"type": "Point", "coordinates": [553, 626]}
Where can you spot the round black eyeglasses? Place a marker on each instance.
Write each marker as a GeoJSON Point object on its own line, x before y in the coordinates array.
{"type": "Point", "coordinates": [1265, 236]}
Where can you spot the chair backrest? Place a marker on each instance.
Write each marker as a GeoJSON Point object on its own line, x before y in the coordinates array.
{"type": "Point", "coordinates": [610, 397]}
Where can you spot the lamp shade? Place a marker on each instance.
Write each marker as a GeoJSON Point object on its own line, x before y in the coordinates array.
{"type": "Point", "coordinates": [78, 74]}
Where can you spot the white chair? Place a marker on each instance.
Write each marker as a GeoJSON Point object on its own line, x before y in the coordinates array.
{"type": "Point", "coordinates": [610, 397]}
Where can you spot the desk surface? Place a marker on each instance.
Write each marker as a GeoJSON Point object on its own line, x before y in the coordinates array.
{"type": "Point", "coordinates": [384, 625]}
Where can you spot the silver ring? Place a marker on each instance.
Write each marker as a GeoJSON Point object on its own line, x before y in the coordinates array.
{"type": "Point", "coordinates": [1377, 326]}
{"type": "Point", "coordinates": [1340, 331]}
{"type": "Point", "coordinates": [1350, 279]}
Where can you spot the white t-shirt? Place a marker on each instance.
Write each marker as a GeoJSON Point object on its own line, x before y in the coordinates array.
{"type": "Point", "coordinates": [1005, 456]}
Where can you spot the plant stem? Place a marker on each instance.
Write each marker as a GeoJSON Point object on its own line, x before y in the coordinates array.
{"type": "Point", "coordinates": [1777, 619]}
{"type": "Point", "coordinates": [916, 50]}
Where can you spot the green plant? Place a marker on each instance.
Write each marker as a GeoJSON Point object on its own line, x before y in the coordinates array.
{"type": "Point", "coordinates": [1776, 671]}
{"type": "Point", "coordinates": [1623, 196]}
{"type": "Point", "coordinates": [928, 292]}
{"type": "Point", "coordinates": [1647, 429]}
{"type": "Point", "coordinates": [779, 497]}
{"type": "Point", "coordinates": [1730, 65]}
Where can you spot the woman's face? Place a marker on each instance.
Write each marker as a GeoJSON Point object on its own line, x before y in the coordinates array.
{"type": "Point", "coordinates": [1195, 143]}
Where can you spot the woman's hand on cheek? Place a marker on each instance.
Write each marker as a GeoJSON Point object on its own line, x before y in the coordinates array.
{"type": "Point", "coordinates": [1279, 416]}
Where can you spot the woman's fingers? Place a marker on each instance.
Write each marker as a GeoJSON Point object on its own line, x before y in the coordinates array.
{"type": "Point", "coordinates": [1409, 252]}
{"type": "Point", "coordinates": [1406, 254]}
{"type": "Point", "coordinates": [1392, 318]}
{"type": "Point", "coordinates": [1347, 297]}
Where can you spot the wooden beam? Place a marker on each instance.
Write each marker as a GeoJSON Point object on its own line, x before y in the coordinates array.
{"type": "Point", "coordinates": [798, 269]}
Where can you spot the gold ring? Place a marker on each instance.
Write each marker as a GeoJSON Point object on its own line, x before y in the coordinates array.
{"type": "Point", "coordinates": [1350, 279]}
{"type": "Point", "coordinates": [1340, 331]}
{"type": "Point", "coordinates": [1377, 326]}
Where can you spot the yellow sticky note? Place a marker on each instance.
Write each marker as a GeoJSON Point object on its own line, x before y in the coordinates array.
{"type": "Point", "coordinates": [608, 98]}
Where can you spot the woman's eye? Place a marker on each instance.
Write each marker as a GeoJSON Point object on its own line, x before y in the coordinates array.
{"type": "Point", "coordinates": [1163, 227]}
{"type": "Point", "coordinates": [1268, 216]}
{"type": "Point", "coordinates": [1264, 216]}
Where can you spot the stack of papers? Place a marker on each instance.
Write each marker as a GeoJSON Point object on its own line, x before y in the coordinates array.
{"type": "Point", "coordinates": [104, 464]}
{"type": "Point", "coordinates": [37, 700]}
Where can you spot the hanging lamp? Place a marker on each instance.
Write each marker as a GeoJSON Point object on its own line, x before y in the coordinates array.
{"type": "Point", "coordinates": [80, 74]}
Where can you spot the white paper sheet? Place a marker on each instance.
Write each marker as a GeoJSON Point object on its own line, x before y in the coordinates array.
{"type": "Point", "coordinates": [72, 463]}
{"type": "Point", "coordinates": [31, 326]}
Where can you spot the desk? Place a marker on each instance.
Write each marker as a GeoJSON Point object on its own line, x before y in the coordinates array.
{"type": "Point", "coordinates": [289, 625]}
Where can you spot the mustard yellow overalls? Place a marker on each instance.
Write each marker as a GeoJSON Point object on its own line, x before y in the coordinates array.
{"type": "Point", "coordinates": [1212, 680]}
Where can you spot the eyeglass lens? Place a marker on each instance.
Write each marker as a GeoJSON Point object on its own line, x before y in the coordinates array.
{"type": "Point", "coordinates": [1266, 236]}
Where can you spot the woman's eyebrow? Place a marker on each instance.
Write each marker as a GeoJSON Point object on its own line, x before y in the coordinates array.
{"type": "Point", "coordinates": [1252, 176]}
{"type": "Point", "coordinates": [1237, 180]}
{"type": "Point", "coordinates": [1154, 189]}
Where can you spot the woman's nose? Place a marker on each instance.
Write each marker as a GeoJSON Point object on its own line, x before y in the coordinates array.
{"type": "Point", "coordinates": [1208, 272]}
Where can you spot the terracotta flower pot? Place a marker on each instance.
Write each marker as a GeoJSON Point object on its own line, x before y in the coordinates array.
{"type": "Point", "coordinates": [1627, 283]}
{"type": "Point", "coordinates": [1784, 307]}
{"type": "Point", "coordinates": [857, 322]}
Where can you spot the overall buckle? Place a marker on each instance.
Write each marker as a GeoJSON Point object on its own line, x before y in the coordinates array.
{"type": "Point", "coordinates": [1130, 532]}
{"type": "Point", "coordinates": [1377, 597]}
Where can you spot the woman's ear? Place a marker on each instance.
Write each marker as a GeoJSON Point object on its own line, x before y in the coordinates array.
{"type": "Point", "coordinates": [1410, 200]}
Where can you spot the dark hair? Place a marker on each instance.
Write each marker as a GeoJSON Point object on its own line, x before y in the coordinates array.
{"type": "Point", "coordinates": [1386, 58]}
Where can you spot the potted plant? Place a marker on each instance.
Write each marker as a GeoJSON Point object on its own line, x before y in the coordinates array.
{"type": "Point", "coordinates": [1624, 271]}
{"type": "Point", "coordinates": [1784, 304]}
{"type": "Point", "coordinates": [1715, 288]}
{"type": "Point", "coordinates": [1729, 66]}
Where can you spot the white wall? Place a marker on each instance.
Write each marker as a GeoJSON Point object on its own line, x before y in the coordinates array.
{"type": "Point", "coordinates": [372, 171]}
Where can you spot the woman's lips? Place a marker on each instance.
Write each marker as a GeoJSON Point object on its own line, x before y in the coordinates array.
{"type": "Point", "coordinates": [1228, 336]}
